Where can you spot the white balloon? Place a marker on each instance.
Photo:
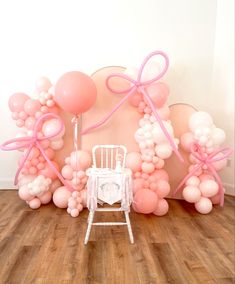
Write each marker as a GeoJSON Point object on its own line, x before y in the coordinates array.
{"type": "Point", "coordinates": [158, 135]}
{"type": "Point", "coordinates": [200, 118]}
{"type": "Point", "coordinates": [163, 151]}
{"type": "Point", "coordinates": [218, 136]}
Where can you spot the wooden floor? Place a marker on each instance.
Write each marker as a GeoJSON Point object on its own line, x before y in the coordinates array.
{"type": "Point", "coordinates": [46, 246]}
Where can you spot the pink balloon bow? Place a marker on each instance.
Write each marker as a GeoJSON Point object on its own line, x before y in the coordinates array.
{"type": "Point", "coordinates": [34, 141]}
{"type": "Point", "coordinates": [205, 162]}
{"type": "Point", "coordinates": [138, 85]}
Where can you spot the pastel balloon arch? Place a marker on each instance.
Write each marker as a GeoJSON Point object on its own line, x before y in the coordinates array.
{"type": "Point", "coordinates": [39, 178]}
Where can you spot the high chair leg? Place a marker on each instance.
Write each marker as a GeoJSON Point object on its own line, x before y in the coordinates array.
{"type": "Point", "coordinates": [129, 227]}
{"type": "Point", "coordinates": [90, 221]}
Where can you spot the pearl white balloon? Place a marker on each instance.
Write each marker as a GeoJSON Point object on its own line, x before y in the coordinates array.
{"type": "Point", "coordinates": [200, 118]}
{"type": "Point", "coordinates": [218, 136]}
{"type": "Point", "coordinates": [163, 151]}
{"type": "Point", "coordinates": [158, 135]}
{"type": "Point", "coordinates": [57, 144]}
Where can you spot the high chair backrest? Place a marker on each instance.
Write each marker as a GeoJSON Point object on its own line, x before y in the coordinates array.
{"type": "Point", "coordinates": [106, 156]}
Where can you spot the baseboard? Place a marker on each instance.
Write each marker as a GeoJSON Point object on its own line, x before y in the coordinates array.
{"type": "Point", "coordinates": [7, 183]}
{"type": "Point", "coordinates": [229, 189]}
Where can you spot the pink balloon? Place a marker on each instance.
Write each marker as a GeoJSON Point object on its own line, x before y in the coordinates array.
{"type": "Point", "coordinates": [209, 188]}
{"type": "Point", "coordinates": [158, 92]}
{"type": "Point", "coordinates": [191, 194]}
{"type": "Point", "coordinates": [57, 144]}
{"type": "Point", "coordinates": [46, 197]}
{"type": "Point", "coordinates": [48, 172]}
{"type": "Point", "coordinates": [163, 188]}
{"type": "Point", "coordinates": [24, 193]}
{"type": "Point", "coordinates": [52, 126]}
{"type": "Point", "coordinates": [161, 174]}
{"type": "Point", "coordinates": [61, 197]}
{"type": "Point", "coordinates": [204, 205]}
{"type": "Point", "coordinates": [219, 165]}
{"type": "Point", "coordinates": [138, 183]}
{"type": "Point", "coordinates": [164, 112]}
{"type": "Point", "coordinates": [80, 160]}
{"type": "Point", "coordinates": [136, 99]}
{"type": "Point", "coordinates": [193, 180]}
{"type": "Point", "coordinates": [84, 197]}
{"type": "Point", "coordinates": [147, 168]}
{"type": "Point", "coordinates": [133, 161]}
{"type": "Point", "coordinates": [75, 92]}
{"type": "Point", "coordinates": [43, 84]}
{"type": "Point", "coordinates": [34, 203]}
{"type": "Point", "coordinates": [186, 141]}
{"type": "Point", "coordinates": [50, 153]}
{"type": "Point", "coordinates": [31, 106]}
{"type": "Point", "coordinates": [29, 122]}
{"type": "Point", "coordinates": [54, 185]}
{"type": "Point", "coordinates": [162, 207]}
{"type": "Point", "coordinates": [16, 102]}
{"type": "Point", "coordinates": [145, 201]}
{"type": "Point", "coordinates": [205, 177]}
{"type": "Point", "coordinates": [67, 172]}
{"type": "Point", "coordinates": [163, 151]}
{"type": "Point", "coordinates": [160, 164]}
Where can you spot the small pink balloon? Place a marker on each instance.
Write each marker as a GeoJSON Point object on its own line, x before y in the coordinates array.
{"type": "Point", "coordinates": [33, 170]}
{"type": "Point", "coordinates": [209, 188]}
{"type": "Point", "coordinates": [67, 172]}
{"type": "Point", "coordinates": [163, 151]}
{"type": "Point", "coordinates": [191, 194]}
{"type": "Point", "coordinates": [24, 193]}
{"type": "Point", "coordinates": [48, 172]}
{"type": "Point", "coordinates": [160, 164]}
{"type": "Point", "coordinates": [80, 160]}
{"type": "Point", "coordinates": [204, 205]}
{"type": "Point", "coordinates": [81, 174]}
{"type": "Point", "coordinates": [163, 188]}
{"type": "Point", "coordinates": [162, 207]}
{"type": "Point", "coordinates": [204, 177]}
{"type": "Point", "coordinates": [34, 203]}
{"type": "Point", "coordinates": [29, 122]}
{"type": "Point", "coordinates": [20, 123]}
{"type": "Point", "coordinates": [31, 106]}
{"type": "Point", "coordinates": [133, 161]}
{"type": "Point", "coordinates": [61, 197]}
{"type": "Point", "coordinates": [136, 99]}
{"type": "Point", "coordinates": [23, 115]}
{"type": "Point", "coordinates": [147, 168]}
{"type": "Point", "coordinates": [158, 92]}
{"type": "Point", "coordinates": [84, 197]}
{"type": "Point", "coordinates": [145, 201]}
{"type": "Point", "coordinates": [46, 197]}
{"type": "Point", "coordinates": [16, 102]}
{"type": "Point", "coordinates": [57, 144]}
{"type": "Point", "coordinates": [74, 212]}
{"type": "Point", "coordinates": [43, 84]}
{"type": "Point", "coordinates": [52, 126]}
{"type": "Point", "coordinates": [50, 153]}
{"type": "Point", "coordinates": [75, 92]}
{"type": "Point", "coordinates": [193, 180]}
{"type": "Point", "coordinates": [186, 141]}
{"type": "Point", "coordinates": [40, 166]}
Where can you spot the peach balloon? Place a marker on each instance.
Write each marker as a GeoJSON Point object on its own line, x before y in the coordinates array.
{"type": "Point", "coordinates": [61, 197]}
{"type": "Point", "coordinates": [204, 205]}
{"type": "Point", "coordinates": [163, 188]}
{"type": "Point", "coordinates": [46, 197]}
{"type": "Point", "coordinates": [31, 106]}
{"type": "Point", "coordinates": [158, 92]}
{"type": "Point", "coordinates": [193, 180]}
{"type": "Point", "coordinates": [133, 161]}
{"type": "Point", "coordinates": [145, 201]}
{"type": "Point", "coordinates": [67, 172]}
{"type": "Point", "coordinates": [52, 126]}
{"type": "Point", "coordinates": [191, 194]}
{"type": "Point", "coordinates": [34, 203]}
{"type": "Point", "coordinates": [29, 122]}
{"type": "Point", "coordinates": [147, 168]}
{"type": "Point", "coordinates": [136, 99]}
{"type": "Point", "coordinates": [16, 102]}
{"type": "Point", "coordinates": [24, 194]}
{"type": "Point", "coordinates": [162, 208]}
{"type": "Point", "coordinates": [48, 172]}
{"type": "Point", "coordinates": [75, 92]}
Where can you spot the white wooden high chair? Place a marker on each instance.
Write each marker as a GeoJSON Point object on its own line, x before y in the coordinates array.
{"type": "Point", "coordinates": [109, 182]}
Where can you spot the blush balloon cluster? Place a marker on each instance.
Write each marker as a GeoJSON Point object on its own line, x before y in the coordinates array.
{"type": "Point", "coordinates": [201, 188]}
{"type": "Point", "coordinates": [151, 184]}
{"type": "Point", "coordinates": [37, 180]}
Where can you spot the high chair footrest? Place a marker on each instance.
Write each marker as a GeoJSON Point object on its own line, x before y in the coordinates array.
{"type": "Point", "coordinates": [109, 209]}
{"type": "Point", "coordinates": [109, 224]}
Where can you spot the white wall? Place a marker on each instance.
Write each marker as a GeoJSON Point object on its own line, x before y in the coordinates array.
{"type": "Point", "coordinates": [53, 37]}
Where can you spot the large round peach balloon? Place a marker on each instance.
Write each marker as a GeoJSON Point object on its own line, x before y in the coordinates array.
{"type": "Point", "coordinates": [75, 92]}
{"type": "Point", "coordinates": [145, 201]}
{"type": "Point", "coordinates": [16, 102]}
{"type": "Point", "coordinates": [61, 197]}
